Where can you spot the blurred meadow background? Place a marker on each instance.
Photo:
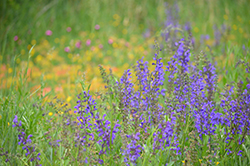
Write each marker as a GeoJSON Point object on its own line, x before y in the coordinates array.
{"type": "Point", "coordinates": [70, 38]}
{"type": "Point", "coordinates": [53, 48]}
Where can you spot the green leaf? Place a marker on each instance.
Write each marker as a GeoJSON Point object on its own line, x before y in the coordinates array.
{"type": "Point", "coordinates": [171, 163]}
{"type": "Point", "coordinates": [248, 156]}
{"type": "Point", "coordinates": [89, 87]}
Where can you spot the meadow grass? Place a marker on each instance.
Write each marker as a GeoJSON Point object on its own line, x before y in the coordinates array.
{"type": "Point", "coordinates": [143, 126]}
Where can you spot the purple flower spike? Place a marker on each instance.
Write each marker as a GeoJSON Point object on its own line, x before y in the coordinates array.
{"type": "Point", "coordinates": [16, 123]}
{"type": "Point", "coordinates": [248, 86]}
{"type": "Point", "coordinates": [26, 143]}
{"type": "Point", "coordinates": [38, 158]}
{"type": "Point", "coordinates": [100, 161]}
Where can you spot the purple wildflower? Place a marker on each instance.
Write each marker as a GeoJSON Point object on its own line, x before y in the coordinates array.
{"type": "Point", "coordinates": [110, 41]}
{"type": "Point", "coordinates": [48, 32]}
{"type": "Point", "coordinates": [97, 27]}
{"type": "Point", "coordinates": [16, 38]}
{"type": "Point", "coordinates": [78, 44]}
{"type": "Point", "coordinates": [88, 42]}
{"type": "Point", "coordinates": [67, 49]}
{"type": "Point", "coordinates": [24, 141]}
{"type": "Point", "coordinates": [100, 46]}
{"type": "Point", "coordinates": [68, 29]}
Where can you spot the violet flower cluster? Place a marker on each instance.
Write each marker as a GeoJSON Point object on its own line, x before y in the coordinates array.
{"type": "Point", "coordinates": [26, 142]}
{"type": "Point", "coordinates": [90, 123]}
{"type": "Point", "coordinates": [133, 149]}
{"type": "Point", "coordinates": [106, 136]}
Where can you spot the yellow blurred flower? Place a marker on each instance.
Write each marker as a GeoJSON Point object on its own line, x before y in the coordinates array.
{"type": "Point", "coordinates": [32, 52]}
{"type": "Point", "coordinates": [115, 45]}
{"type": "Point", "coordinates": [225, 17]}
{"type": "Point", "coordinates": [115, 23]}
{"type": "Point", "coordinates": [69, 99]}
{"type": "Point", "coordinates": [8, 123]}
{"type": "Point", "coordinates": [240, 30]}
{"type": "Point", "coordinates": [39, 58]}
{"type": "Point", "coordinates": [80, 61]}
{"type": "Point", "coordinates": [209, 42]}
{"type": "Point", "coordinates": [18, 60]}
{"type": "Point", "coordinates": [45, 43]}
{"type": "Point", "coordinates": [207, 49]}
{"type": "Point", "coordinates": [50, 113]}
{"type": "Point", "coordinates": [232, 37]}
{"type": "Point", "coordinates": [124, 31]}
{"type": "Point", "coordinates": [29, 47]}
{"type": "Point", "coordinates": [10, 70]}
{"type": "Point", "coordinates": [217, 163]}
{"type": "Point", "coordinates": [196, 30]}
{"type": "Point", "coordinates": [88, 58]}
{"type": "Point", "coordinates": [0, 116]}
{"type": "Point", "coordinates": [141, 49]}
{"type": "Point", "coordinates": [125, 66]}
{"type": "Point", "coordinates": [33, 42]}
{"type": "Point", "coordinates": [87, 52]}
{"type": "Point", "coordinates": [22, 51]}
{"type": "Point", "coordinates": [116, 16]}
{"type": "Point", "coordinates": [235, 27]}
{"type": "Point", "coordinates": [70, 56]}
{"type": "Point", "coordinates": [49, 76]}
{"type": "Point", "coordinates": [131, 56]}
{"type": "Point", "coordinates": [96, 49]}
{"type": "Point", "coordinates": [75, 58]}
{"type": "Point", "coordinates": [31, 64]}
